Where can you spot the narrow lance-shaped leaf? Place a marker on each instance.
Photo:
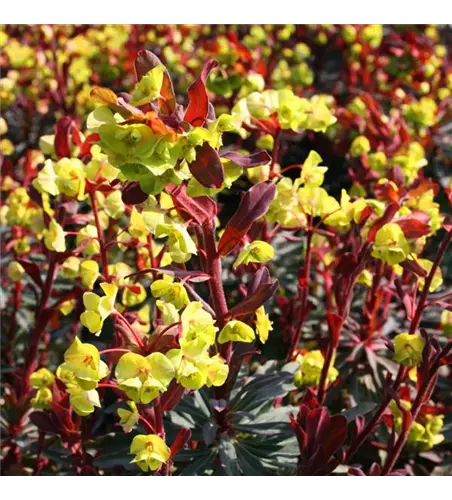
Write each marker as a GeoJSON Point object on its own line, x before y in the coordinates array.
{"type": "Point", "coordinates": [198, 106]}
{"type": "Point", "coordinates": [199, 209]}
{"type": "Point", "coordinates": [194, 276]}
{"type": "Point", "coordinates": [415, 225]}
{"type": "Point", "coordinates": [181, 439]}
{"type": "Point", "coordinates": [255, 160]}
{"type": "Point", "coordinates": [169, 400]}
{"type": "Point", "coordinates": [207, 167]}
{"type": "Point", "coordinates": [32, 270]}
{"type": "Point", "coordinates": [260, 277]}
{"type": "Point", "coordinates": [255, 300]}
{"type": "Point", "coordinates": [389, 213]}
{"type": "Point", "coordinates": [253, 205]}
{"type": "Point", "coordinates": [64, 132]}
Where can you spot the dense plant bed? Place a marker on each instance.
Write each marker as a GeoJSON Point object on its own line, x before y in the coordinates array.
{"type": "Point", "coordinates": [226, 250]}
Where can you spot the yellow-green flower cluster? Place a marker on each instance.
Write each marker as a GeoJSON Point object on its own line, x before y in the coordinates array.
{"type": "Point", "coordinates": [408, 349]}
{"type": "Point", "coordinates": [81, 372]}
{"type": "Point", "coordinates": [98, 308]}
{"type": "Point", "coordinates": [295, 200]}
{"type": "Point", "coordinates": [42, 380]}
{"type": "Point", "coordinates": [150, 451]}
{"type": "Point", "coordinates": [424, 433]}
{"type": "Point", "coordinates": [293, 112]}
{"type": "Point", "coordinates": [310, 371]}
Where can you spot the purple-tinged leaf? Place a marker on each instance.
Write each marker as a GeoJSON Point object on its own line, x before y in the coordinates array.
{"type": "Point", "coordinates": [132, 194]}
{"type": "Point", "coordinates": [414, 267]}
{"type": "Point", "coordinates": [198, 106]}
{"type": "Point", "coordinates": [260, 277]}
{"type": "Point", "coordinates": [199, 209]}
{"type": "Point", "coordinates": [207, 168]}
{"type": "Point", "coordinates": [253, 205]}
{"type": "Point", "coordinates": [193, 276]}
{"type": "Point", "coordinates": [415, 225]}
{"type": "Point", "coordinates": [144, 62]}
{"type": "Point", "coordinates": [171, 397]}
{"type": "Point", "coordinates": [255, 300]}
{"type": "Point", "coordinates": [254, 160]}
{"type": "Point", "coordinates": [181, 439]}
{"type": "Point", "coordinates": [389, 213]}
{"type": "Point", "coordinates": [33, 271]}
{"type": "Point", "coordinates": [44, 421]}
{"type": "Point", "coordinates": [124, 105]}
{"type": "Point", "coordinates": [63, 134]}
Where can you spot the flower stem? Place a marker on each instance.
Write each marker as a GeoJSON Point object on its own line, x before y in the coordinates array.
{"type": "Point", "coordinates": [428, 281]}
{"type": "Point", "coordinates": [107, 351]}
{"type": "Point", "coordinates": [275, 152]}
{"type": "Point", "coordinates": [103, 251]}
{"type": "Point", "coordinates": [304, 293]}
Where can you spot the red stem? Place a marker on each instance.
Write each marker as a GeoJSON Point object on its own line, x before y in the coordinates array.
{"type": "Point", "coordinates": [147, 424]}
{"type": "Point", "coordinates": [426, 385]}
{"type": "Point", "coordinates": [275, 152]}
{"type": "Point", "coordinates": [125, 323]}
{"type": "Point", "coordinates": [375, 420]}
{"type": "Point", "coordinates": [41, 321]}
{"type": "Point", "coordinates": [215, 283]}
{"type": "Point", "coordinates": [17, 297]}
{"type": "Point", "coordinates": [304, 295]}
{"type": "Point", "coordinates": [107, 351]}
{"type": "Point", "coordinates": [103, 251]}
{"type": "Point", "coordinates": [159, 427]}
{"type": "Point", "coordinates": [428, 281]}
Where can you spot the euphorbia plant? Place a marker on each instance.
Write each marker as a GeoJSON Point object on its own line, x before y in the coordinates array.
{"type": "Point", "coordinates": [127, 229]}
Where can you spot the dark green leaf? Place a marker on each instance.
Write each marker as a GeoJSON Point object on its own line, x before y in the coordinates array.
{"type": "Point", "coordinates": [228, 456]}
{"type": "Point", "coordinates": [198, 466]}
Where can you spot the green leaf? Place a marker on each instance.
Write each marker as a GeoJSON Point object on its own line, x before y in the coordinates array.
{"type": "Point", "coordinates": [59, 456]}
{"type": "Point", "coordinates": [359, 409]}
{"type": "Point", "coordinates": [265, 429]}
{"type": "Point", "coordinates": [228, 457]}
{"type": "Point", "coordinates": [209, 432]}
{"type": "Point", "coordinates": [262, 388]}
{"type": "Point", "coordinates": [111, 460]}
{"type": "Point", "coordinates": [249, 463]}
{"type": "Point", "coordinates": [198, 466]}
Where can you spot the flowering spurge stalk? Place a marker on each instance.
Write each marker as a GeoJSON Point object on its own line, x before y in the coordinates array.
{"type": "Point", "coordinates": [119, 229]}
{"type": "Point", "coordinates": [410, 351]}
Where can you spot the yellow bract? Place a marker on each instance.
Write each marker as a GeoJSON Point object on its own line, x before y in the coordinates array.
{"type": "Point", "coordinates": [446, 323]}
{"type": "Point", "coordinates": [310, 371]}
{"type": "Point", "coordinates": [41, 378]}
{"type": "Point", "coordinates": [312, 174]}
{"type": "Point", "coordinates": [151, 452]}
{"type": "Point", "coordinates": [198, 323]}
{"type": "Point", "coordinates": [236, 331]}
{"type": "Point", "coordinates": [144, 378]}
{"type": "Point", "coordinates": [89, 272]}
{"type": "Point", "coordinates": [194, 367]}
{"type": "Point", "coordinates": [129, 418]}
{"type": "Point", "coordinates": [257, 251]}
{"type": "Point", "coordinates": [98, 308]}
{"type": "Point", "coordinates": [173, 293]}
{"type": "Point", "coordinates": [82, 366]}
{"type": "Point", "coordinates": [424, 433]}
{"type": "Point", "coordinates": [263, 324]}
{"type": "Point", "coordinates": [15, 271]}
{"type": "Point", "coordinates": [408, 349]}
{"type": "Point", "coordinates": [390, 244]}
{"type": "Point", "coordinates": [54, 237]}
